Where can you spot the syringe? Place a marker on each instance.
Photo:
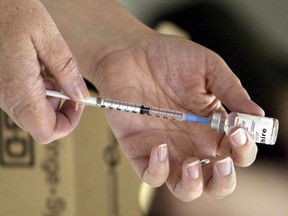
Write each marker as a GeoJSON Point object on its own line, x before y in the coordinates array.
{"type": "Point", "coordinates": [134, 108]}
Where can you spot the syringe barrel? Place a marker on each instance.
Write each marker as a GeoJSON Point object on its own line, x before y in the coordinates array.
{"type": "Point", "coordinates": [117, 105]}
{"type": "Point", "coordinates": [134, 108]}
{"type": "Point", "coordinates": [166, 114]}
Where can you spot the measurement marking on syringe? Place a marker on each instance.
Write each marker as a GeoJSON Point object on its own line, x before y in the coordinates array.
{"type": "Point", "coordinates": [138, 109]}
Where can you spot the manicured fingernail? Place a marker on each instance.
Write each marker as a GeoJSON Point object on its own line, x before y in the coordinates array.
{"type": "Point", "coordinates": [193, 170]}
{"type": "Point", "coordinates": [224, 166]}
{"type": "Point", "coordinates": [80, 89]}
{"type": "Point", "coordinates": [239, 137]}
{"type": "Point", "coordinates": [162, 152]}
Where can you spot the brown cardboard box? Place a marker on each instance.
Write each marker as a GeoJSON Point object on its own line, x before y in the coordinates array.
{"type": "Point", "coordinates": [70, 177]}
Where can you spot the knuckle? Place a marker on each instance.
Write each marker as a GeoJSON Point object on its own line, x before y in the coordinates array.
{"type": "Point", "coordinates": [25, 104]}
{"type": "Point", "coordinates": [43, 134]}
{"type": "Point", "coordinates": [23, 110]}
{"type": "Point", "coordinates": [67, 67]}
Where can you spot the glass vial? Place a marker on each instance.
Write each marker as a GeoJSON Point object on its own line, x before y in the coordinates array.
{"type": "Point", "coordinates": [262, 129]}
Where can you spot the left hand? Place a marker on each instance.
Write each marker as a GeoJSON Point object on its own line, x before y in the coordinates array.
{"type": "Point", "coordinates": [174, 73]}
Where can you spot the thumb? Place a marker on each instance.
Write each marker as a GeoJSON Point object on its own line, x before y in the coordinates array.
{"type": "Point", "coordinates": [226, 86]}
{"type": "Point", "coordinates": [55, 54]}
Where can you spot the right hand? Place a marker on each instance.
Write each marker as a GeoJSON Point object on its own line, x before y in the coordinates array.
{"type": "Point", "coordinates": [29, 42]}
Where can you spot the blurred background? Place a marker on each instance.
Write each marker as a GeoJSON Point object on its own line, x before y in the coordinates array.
{"type": "Point", "coordinates": [86, 173]}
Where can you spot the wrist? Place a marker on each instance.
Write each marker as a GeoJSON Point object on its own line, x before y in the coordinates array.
{"type": "Point", "coordinates": [94, 29]}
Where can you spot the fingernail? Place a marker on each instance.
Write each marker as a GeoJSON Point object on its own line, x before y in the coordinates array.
{"type": "Point", "coordinates": [80, 89]}
{"type": "Point", "coordinates": [79, 106]}
{"type": "Point", "coordinates": [239, 137]}
{"type": "Point", "coordinates": [162, 152]}
{"type": "Point", "coordinates": [193, 170]}
{"type": "Point", "coordinates": [76, 107]}
{"type": "Point", "coordinates": [224, 166]}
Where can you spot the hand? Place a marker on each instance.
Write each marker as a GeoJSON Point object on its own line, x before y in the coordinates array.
{"type": "Point", "coordinates": [127, 61]}
{"type": "Point", "coordinates": [29, 43]}
{"type": "Point", "coordinates": [174, 73]}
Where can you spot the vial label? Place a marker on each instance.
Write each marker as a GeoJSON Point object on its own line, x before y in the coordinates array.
{"type": "Point", "coordinates": [260, 128]}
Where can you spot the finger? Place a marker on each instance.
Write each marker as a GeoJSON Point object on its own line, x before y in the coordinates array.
{"type": "Point", "coordinates": [244, 149]}
{"type": "Point", "coordinates": [158, 169]}
{"type": "Point", "coordinates": [67, 118]}
{"type": "Point", "coordinates": [47, 128]}
{"type": "Point", "coordinates": [190, 186]}
{"type": "Point", "coordinates": [22, 89]}
{"type": "Point", "coordinates": [223, 180]}
{"type": "Point", "coordinates": [227, 87]}
{"type": "Point", "coordinates": [55, 102]}
{"type": "Point", "coordinates": [56, 56]}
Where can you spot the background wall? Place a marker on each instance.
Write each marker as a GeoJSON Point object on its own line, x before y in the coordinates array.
{"type": "Point", "coordinates": [267, 18]}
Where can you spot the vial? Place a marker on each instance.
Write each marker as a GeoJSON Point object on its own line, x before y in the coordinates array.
{"type": "Point", "coordinates": [262, 129]}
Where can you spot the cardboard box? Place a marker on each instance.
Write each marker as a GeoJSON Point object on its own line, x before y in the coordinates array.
{"type": "Point", "coordinates": [83, 174]}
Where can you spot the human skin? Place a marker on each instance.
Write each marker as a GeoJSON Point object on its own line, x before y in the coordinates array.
{"type": "Point", "coordinates": [127, 61]}
{"type": "Point", "coordinates": [29, 43]}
